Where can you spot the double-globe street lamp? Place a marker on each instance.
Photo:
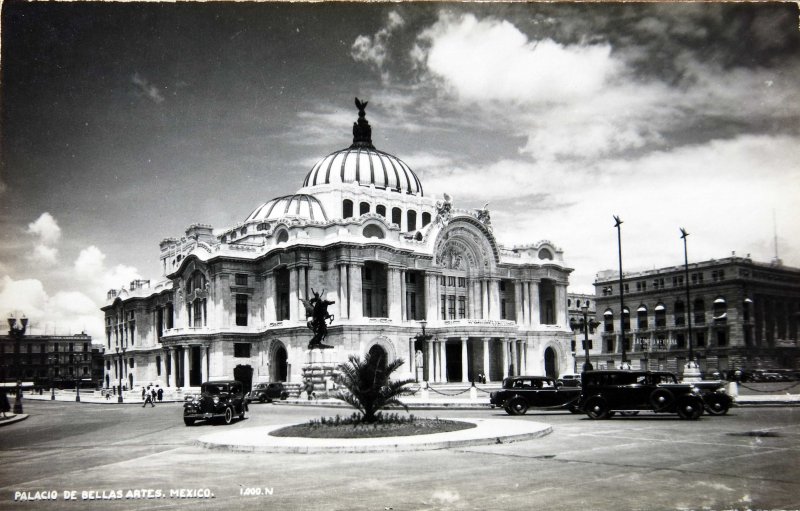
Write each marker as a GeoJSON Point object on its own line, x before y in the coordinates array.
{"type": "Point", "coordinates": [691, 371]}
{"type": "Point", "coordinates": [119, 368]}
{"type": "Point", "coordinates": [586, 324]}
{"type": "Point", "coordinates": [16, 329]}
{"type": "Point", "coordinates": [418, 364]}
{"type": "Point", "coordinates": [52, 360]}
{"type": "Point", "coordinates": [624, 364]}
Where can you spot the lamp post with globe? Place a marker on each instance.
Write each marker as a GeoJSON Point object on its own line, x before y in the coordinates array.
{"type": "Point", "coordinates": [16, 330]}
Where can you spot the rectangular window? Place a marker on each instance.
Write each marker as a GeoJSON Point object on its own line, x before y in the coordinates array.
{"type": "Point", "coordinates": [367, 273]}
{"type": "Point", "coordinates": [625, 287]}
{"type": "Point", "coordinates": [451, 309]}
{"type": "Point", "coordinates": [444, 281]}
{"type": "Point", "coordinates": [444, 307]}
{"type": "Point", "coordinates": [158, 365]}
{"type": "Point", "coordinates": [722, 339]}
{"type": "Point", "coordinates": [451, 281]}
{"type": "Point", "coordinates": [700, 337]}
{"type": "Point", "coordinates": [462, 307]}
{"type": "Point", "coordinates": [241, 279]}
{"type": "Point", "coordinates": [462, 282]}
{"type": "Point", "coordinates": [610, 345]}
{"type": "Point", "coordinates": [241, 350]}
{"type": "Point", "coordinates": [503, 309]}
{"type": "Point", "coordinates": [241, 310]}
{"type": "Point", "coordinates": [368, 303]}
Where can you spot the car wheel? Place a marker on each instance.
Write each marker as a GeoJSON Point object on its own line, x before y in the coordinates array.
{"type": "Point", "coordinates": [228, 418]}
{"type": "Point", "coordinates": [518, 406]}
{"type": "Point", "coordinates": [262, 399]}
{"type": "Point", "coordinates": [574, 409]}
{"type": "Point", "coordinates": [597, 408]}
{"type": "Point", "coordinates": [690, 409]}
{"type": "Point", "coordinates": [188, 421]}
{"type": "Point", "coordinates": [661, 400]}
{"type": "Point", "coordinates": [716, 406]}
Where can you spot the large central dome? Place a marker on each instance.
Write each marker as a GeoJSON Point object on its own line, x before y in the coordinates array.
{"type": "Point", "coordinates": [361, 163]}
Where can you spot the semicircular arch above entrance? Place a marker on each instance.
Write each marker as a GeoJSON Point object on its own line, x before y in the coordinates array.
{"type": "Point", "coordinates": [462, 245]}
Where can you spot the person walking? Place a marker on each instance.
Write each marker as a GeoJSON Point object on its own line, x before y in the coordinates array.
{"type": "Point", "coordinates": [5, 406]}
{"type": "Point", "coordinates": [148, 398]}
{"type": "Point", "coordinates": [160, 394]}
{"type": "Point", "coordinates": [144, 392]}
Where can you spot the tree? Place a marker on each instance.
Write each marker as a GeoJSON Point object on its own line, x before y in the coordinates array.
{"type": "Point", "coordinates": [368, 385]}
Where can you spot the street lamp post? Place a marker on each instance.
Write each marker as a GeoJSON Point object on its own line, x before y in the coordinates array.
{"type": "Point", "coordinates": [624, 364]}
{"type": "Point", "coordinates": [587, 324]}
{"type": "Point", "coordinates": [691, 371]}
{"type": "Point", "coordinates": [119, 368]}
{"type": "Point", "coordinates": [77, 380]}
{"type": "Point", "coordinates": [16, 329]}
{"type": "Point", "coordinates": [420, 337]}
{"type": "Point", "coordinates": [53, 358]}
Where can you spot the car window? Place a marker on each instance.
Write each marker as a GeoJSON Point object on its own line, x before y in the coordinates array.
{"type": "Point", "coordinates": [212, 389]}
{"type": "Point", "coordinates": [641, 379]}
{"type": "Point", "coordinates": [546, 384]}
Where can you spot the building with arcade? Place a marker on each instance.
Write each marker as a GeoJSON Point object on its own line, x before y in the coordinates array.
{"type": "Point", "coordinates": [411, 276]}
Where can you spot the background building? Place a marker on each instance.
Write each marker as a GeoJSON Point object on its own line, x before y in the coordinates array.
{"type": "Point", "coordinates": [578, 323]}
{"type": "Point", "coordinates": [360, 232]}
{"type": "Point", "coordinates": [46, 360]}
{"type": "Point", "coordinates": [743, 314]}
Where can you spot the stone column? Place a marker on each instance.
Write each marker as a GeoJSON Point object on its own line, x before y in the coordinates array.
{"type": "Point", "coordinates": [484, 299]}
{"type": "Point", "coordinates": [514, 362]}
{"type": "Point", "coordinates": [203, 363]}
{"type": "Point", "coordinates": [342, 299]}
{"type": "Point", "coordinates": [464, 360]}
{"type": "Point", "coordinates": [535, 305]}
{"type": "Point", "coordinates": [301, 293]}
{"type": "Point", "coordinates": [518, 317]}
{"type": "Point", "coordinates": [294, 302]}
{"type": "Point", "coordinates": [356, 293]}
{"type": "Point", "coordinates": [186, 381]}
{"type": "Point", "coordinates": [431, 372]}
{"type": "Point", "coordinates": [487, 367]}
{"type": "Point", "coordinates": [168, 367]}
{"type": "Point", "coordinates": [443, 359]}
{"type": "Point", "coordinates": [524, 345]}
{"type": "Point", "coordinates": [494, 299]}
{"type": "Point", "coordinates": [403, 292]}
{"type": "Point", "coordinates": [562, 318]}
{"type": "Point", "coordinates": [411, 358]}
{"type": "Point", "coordinates": [393, 295]}
{"type": "Point", "coordinates": [504, 343]}
{"type": "Point", "coordinates": [431, 298]}
{"type": "Point", "coordinates": [270, 314]}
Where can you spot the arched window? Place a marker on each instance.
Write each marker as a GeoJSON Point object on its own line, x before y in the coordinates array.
{"type": "Point", "coordinates": [363, 208]}
{"type": "Point", "coordinates": [545, 254]}
{"type": "Point", "coordinates": [263, 226]}
{"type": "Point", "coordinates": [661, 316]}
{"type": "Point", "coordinates": [626, 318]}
{"type": "Point", "coordinates": [381, 210]}
{"type": "Point", "coordinates": [412, 220]}
{"type": "Point", "coordinates": [641, 317]}
{"type": "Point", "coordinates": [347, 208]}
{"type": "Point", "coordinates": [397, 216]}
{"type": "Point", "coordinates": [720, 309]}
{"type": "Point", "coordinates": [373, 231]}
{"type": "Point", "coordinates": [426, 219]}
{"type": "Point", "coordinates": [699, 311]}
{"type": "Point", "coordinates": [608, 321]}
{"type": "Point", "coordinates": [283, 236]}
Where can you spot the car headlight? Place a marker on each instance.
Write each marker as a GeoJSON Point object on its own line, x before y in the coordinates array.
{"type": "Point", "coordinates": [215, 399]}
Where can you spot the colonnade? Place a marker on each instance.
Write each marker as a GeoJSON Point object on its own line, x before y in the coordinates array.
{"type": "Point", "coordinates": [514, 356]}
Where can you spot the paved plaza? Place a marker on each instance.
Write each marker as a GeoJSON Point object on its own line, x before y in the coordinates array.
{"type": "Point", "coordinates": [129, 457]}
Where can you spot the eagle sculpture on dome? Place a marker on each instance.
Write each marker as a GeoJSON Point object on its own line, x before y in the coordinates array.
{"type": "Point", "coordinates": [361, 105]}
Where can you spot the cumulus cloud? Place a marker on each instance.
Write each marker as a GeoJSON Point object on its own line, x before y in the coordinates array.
{"type": "Point", "coordinates": [91, 271]}
{"type": "Point", "coordinates": [147, 89]}
{"type": "Point", "coordinates": [374, 49]}
{"type": "Point", "coordinates": [47, 233]}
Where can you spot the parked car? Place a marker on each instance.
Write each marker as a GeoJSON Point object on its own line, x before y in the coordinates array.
{"type": "Point", "coordinates": [217, 400]}
{"type": "Point", "coordinates": [716, 399]}
{"type": "Point", "coordinates": [570, 380]}
{"type": "Point", "coordinates": [266, 392]}
{"type": "Point", "coordinates": [522, 392]}
{"type": "Point", "coordinates": [605, 392]}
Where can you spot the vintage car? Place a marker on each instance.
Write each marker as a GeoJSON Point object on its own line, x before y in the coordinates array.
{"type": "Point", "coordinates": [605, 392]}
{"type": "Point", "coordinates": [716, 398]}
{"type": "Point", "coordinates": [266, 392]}
{"type": "Point", "coordinates": [522, 392]}
{"type": "Point", "coordinates": [220, 400]}
{"type": "Point", "coordinates": [570, 380]}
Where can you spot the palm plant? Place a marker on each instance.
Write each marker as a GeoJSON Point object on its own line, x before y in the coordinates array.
{"type": "Point", "coordinates": [367, 386]}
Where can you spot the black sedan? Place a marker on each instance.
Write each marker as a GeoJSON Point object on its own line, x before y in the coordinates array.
{"type": "Point", "coordinates": [266, 392]}
{"type": "Point", "coordinates": [217, 400]}
{"type": "Point", "coordinates": [522, 392]}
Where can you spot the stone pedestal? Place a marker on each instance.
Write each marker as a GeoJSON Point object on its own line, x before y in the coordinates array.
{"type": "Point", "coordinates": [691, 371]}
{"type": "Point", "coordinates": [473, 394]}
{"type": "Point", "coordinates": [321, 369]}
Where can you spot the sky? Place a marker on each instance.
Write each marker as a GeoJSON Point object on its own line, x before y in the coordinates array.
{"type": "Point", "coordinates": [124, 123]}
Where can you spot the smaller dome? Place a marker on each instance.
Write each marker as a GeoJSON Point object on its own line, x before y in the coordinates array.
{"type": "Point", "coordinates": [298, 205]}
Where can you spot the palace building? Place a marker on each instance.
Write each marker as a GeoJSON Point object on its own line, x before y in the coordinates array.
{"type": "Point", "coordinates": [411, 276]}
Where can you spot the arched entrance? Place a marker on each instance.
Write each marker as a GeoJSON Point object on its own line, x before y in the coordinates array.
{"type": "Point", "coordinates": [244, 374]}
{"type": "Point", "coordinates": [378, 357]}
{"type": "Point", "coordinates": [550, 366]}
{"type": "Point", "coordinates": [279, 364]}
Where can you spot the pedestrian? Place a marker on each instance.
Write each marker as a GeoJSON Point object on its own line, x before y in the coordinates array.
{"type": "Point", "coordinates": [160, 394]}
{"type": "Point", "coordinates": [153, 394]}
{"type": "Point", "coordinates": [5, 406]}
{"type": "Point", "coordinates": [148, 398]}
{"type": "Point", "coordinates": [308, 387]}
{"type": "Point", "coordinates": [144, 392]}
{"type": "Point", "coordinates": [108, 395]}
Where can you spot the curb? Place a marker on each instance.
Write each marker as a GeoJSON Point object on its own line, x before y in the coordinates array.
{"type": "Point", "coordinates": [486, 432]}
{"type": "Point", "coordinates": [14, 419]}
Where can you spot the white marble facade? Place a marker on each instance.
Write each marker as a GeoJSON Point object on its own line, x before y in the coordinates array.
{"type": "Point", "coordinates": [361, 231]}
